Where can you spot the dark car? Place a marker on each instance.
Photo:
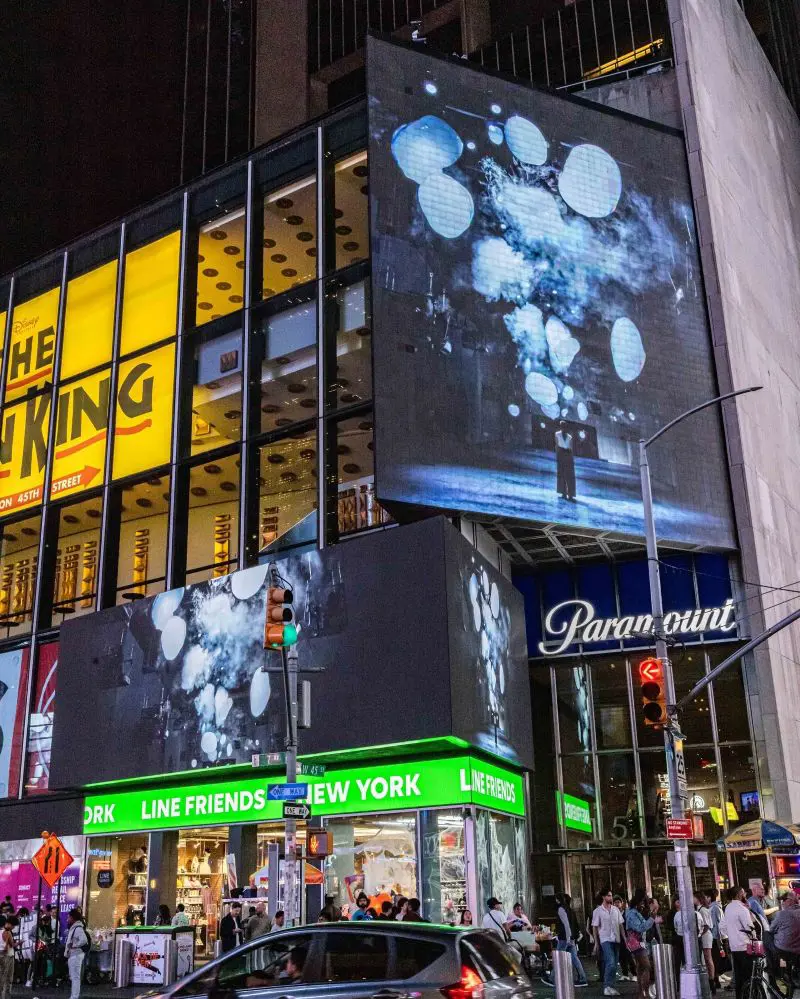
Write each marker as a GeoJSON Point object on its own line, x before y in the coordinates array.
{"type": "Point", "coordinates": [379, 960]}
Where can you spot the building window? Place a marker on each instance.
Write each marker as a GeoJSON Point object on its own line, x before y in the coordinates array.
{"type": "Point", "coordinates": [76, 559]}
{"type": "Point", "coordinates": [742, 803]}
{"type": "Point", "coordinates": [220, 266]}
{"type": "Point", "coordinates": [40, 723]}
{"type": "Point", "coordinates": [142, 554]}
{"type": "Point", "coordinates": [217, 391]}
{"type": "Point", "coordinates": [351, 201]}
{"type": "Point", "coordinates": [19, 556]}
{"type": "Point", "coordinates": [287, 493]}
{"type": "Point", "coordinates": [357, 508]}
{"type": "Point", "coordinates": [348, 326]}
{"type": "Point", "coordinates": [574, 709]}
{"type": "Point", "coordinates": [730, 700]}
{"type": "Point", "coordinates": [618, 797]}
{"type": "Point", "coordinates": [143, 427]}
{"type": "Point", "coordinates": [285, 345]}
{"type": "Point", "coordinates": [285, 251]}
{"type": "Point", "coordinates": [611, 705]}
{"type": "Point", "coordinates": [212, 547]}
{"type": "Point", "coordinates": [150, 297]}
{"type": "Point", "coordinates": [89, 320]}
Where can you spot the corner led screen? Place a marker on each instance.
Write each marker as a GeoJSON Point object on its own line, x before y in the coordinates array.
{"type": "Point", "coordinates": [538, 306]}
{"type": "Point", "coordinates": [416, 635]}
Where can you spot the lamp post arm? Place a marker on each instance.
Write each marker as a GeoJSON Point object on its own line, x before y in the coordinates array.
{"type": "Point", "coordinates": [696, 409]}
{"type": "Point", "coordinates": [736, 656]}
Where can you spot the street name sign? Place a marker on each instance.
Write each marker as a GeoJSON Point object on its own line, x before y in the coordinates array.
{"type": "Point", "coordinates": [296, 811]}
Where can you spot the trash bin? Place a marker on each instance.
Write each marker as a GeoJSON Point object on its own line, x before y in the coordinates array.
{"type": "Point", "coordinates": [123, 962]}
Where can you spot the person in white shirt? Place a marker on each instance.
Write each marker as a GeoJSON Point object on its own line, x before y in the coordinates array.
{"type": "Point", "coordinates": [181, 917]}
{"type": "Point", "coordinates": [607, 928]}
{"type": "Point", "coordinates": [75, 948]}
{"type": "Point", "coordinates": [495, 918]}
{"type": "Point", "coordinates": [737, 925]}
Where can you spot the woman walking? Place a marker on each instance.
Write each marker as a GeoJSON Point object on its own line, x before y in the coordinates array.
{"type": "Point", "coordinates": [637, 922]}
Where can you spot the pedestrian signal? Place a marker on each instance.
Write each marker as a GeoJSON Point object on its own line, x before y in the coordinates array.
{"type": "Point", "coordinates": [654, 695]}
{"type": "Point", "coordinates": [280, 630]}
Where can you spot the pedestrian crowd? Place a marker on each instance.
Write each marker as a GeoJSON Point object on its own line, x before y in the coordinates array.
{"type": "Point", "coordinates": [34, 948]}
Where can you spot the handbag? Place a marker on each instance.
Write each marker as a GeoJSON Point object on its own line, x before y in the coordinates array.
{"type": "Point", "coordinates": [633, 941]}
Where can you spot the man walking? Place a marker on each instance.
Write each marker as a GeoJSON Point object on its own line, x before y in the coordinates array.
{"type": "Point", "coordinates": [230, 928]}
{"type": "Point", "coordinates": [565, 463]}
{"type": "Point", "coordinates": [258, 924]}
{"type": "Point", "coordinates": [607, 932]}
{"type": "Point", "coordinates": [76, 947]}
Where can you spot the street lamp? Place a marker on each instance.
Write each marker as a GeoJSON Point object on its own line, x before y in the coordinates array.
{"type": "Point", "coordinates": [694, 978]}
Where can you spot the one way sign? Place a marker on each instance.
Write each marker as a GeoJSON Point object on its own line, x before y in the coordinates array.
{"type": "Point", "coordinates": [296, 811]}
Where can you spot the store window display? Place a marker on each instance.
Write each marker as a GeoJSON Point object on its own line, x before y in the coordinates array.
{"type": "Point", "coordinates": [201, 882]}
{"type": "Point", "coordinates": [116, 880]}
{"type": "Point", "coordinates": [373, 855]}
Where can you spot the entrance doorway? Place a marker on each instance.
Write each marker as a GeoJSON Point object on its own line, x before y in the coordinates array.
{"type": "Point", "coordinates": [596, 877]}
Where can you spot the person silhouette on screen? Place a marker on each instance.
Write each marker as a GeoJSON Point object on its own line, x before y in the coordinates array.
{"type": "Point", "coordinates": [565, 463]}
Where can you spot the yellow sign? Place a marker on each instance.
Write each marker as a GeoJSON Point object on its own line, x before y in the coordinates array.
{"type": "Point", "coordinates": [142, 432]}
{"type": "Point", "coordinates": [89, 320]}
{"type": "Point", "coordinates": [81, 431]}
{"type": "Point", "coordinates": [150, 296]}
{"type": "Point", "coordinates": [32, 345]}
{"type": "Point", "coordinates": [144, 412]}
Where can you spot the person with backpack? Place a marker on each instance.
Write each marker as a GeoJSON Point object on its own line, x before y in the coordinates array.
{"type": "Point", "coordinates": [76, 947]}
{"type": "Point", "coordinates": [568, 934]}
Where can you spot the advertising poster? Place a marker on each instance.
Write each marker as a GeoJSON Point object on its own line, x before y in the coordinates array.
{"type": "Point", "coordinates": [149, 957]}
{"type": "Point", "coordinates": [40, 726]}
{"type": "Point", "coordinates": [13, 684]}
{"type": "Point", "coordinates": [21, 881]}
{"type": "Point", "coordinates": [175, 682]}
{"type": "Point", "coordinates": [538, 306]}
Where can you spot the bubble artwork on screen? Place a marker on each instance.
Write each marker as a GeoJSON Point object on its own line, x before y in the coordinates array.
{"type": "Point", "coordinates": [538, 306]}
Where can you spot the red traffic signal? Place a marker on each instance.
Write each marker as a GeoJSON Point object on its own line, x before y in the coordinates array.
{"type": "Point", "coordinates": [280, 630]}
{"type": "Point", "coordinates": [654, 695]}
{"type": "Point", "coordinates": [319, 843]}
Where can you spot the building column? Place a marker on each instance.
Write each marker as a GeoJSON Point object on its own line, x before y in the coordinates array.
{"type": "Point", "coordinates": [162, 873]}
{"type": "Point", "coordinates": [243, 844]}
{"type": "Point", "coordinates": [281, 87]}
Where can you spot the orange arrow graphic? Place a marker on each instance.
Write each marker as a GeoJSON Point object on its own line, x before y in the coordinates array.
{"type": "Point", "coordinates": [74, 481]}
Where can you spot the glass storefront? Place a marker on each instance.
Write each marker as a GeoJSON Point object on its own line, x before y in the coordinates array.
{"type": "Point", "coordinates": [117, 880]}
{"type": "Point", "coordinates": [610, 764]}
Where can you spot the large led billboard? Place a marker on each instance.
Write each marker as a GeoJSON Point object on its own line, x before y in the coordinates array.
{"type": "Point", "coordinates": [537, 306]}
{"type": "Point", "coordinates": [416, 635]}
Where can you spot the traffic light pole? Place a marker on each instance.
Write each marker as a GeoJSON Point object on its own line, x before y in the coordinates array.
{"type": "Point", "coordinates": [694, 977]}
{"type": "Point", "coordinates": [289, 657]}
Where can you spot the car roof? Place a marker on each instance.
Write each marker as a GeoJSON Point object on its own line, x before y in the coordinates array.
{"type": "Point", "coordinates": [378, 926]}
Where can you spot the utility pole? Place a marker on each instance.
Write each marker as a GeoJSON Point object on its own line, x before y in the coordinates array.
{"type": "Point", "coordinates": [281, 618]}
{"type": "Point", "coordinates": [694, 977]}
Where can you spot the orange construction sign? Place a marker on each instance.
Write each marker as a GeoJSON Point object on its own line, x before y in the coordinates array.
{"type": "Point", "coordinates": [52, 859]}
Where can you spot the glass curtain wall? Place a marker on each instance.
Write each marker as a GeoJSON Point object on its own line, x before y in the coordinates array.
{"type": "Point", "coordinates": [186, 393]}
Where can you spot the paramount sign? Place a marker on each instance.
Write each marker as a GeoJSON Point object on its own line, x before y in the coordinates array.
{"type": "Point", "coordinates": [574, 621]}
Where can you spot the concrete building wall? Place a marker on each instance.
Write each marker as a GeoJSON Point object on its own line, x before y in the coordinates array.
{"type": "Point", "coordinates": [653, 96]}
{"type": "Point", "coordinates": [743, 141]}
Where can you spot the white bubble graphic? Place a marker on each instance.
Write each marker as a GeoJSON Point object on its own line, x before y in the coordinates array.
{"type": "Point", "coordinates": [431, 88]}
{"type": "Point", "coordinates": [561, 343]}
{"type": "Point", "coordinates": [173, 635]}
{"type": "Point", "coordinates": [526, 141]}
{"type": "Point", "coordinates": [513, 409]}
{"type": "Point", "coordinates": [583, 412]}
{"type": "Point", "coordinates": [425, 146]}
{"type": "Point", "coordinates": [567, 392]}
{"type": "Point", "coordinates": [627, 350]}
{"type": "Point", "coordinates": [495, 134]}
{"type": "Point", "coordinates": [447, 205]}
{"type": "Point", "coordinates": [164, 606]}
{"type": "Point", "coordinates": [541, 389]}
{"type": "Point", "coordinates": [259, 693]}
{"type": "Point", "coordinates": [496, 109]}
{"type": "Point", "coordinates": [208, 743]}
{"type": "Point", "coordinates": [590, 182]}
{"type": "Point", "coordinates": [248, 582]}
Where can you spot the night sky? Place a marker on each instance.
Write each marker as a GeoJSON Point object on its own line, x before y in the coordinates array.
{"type": "Point", "coordinates": [90, 110]}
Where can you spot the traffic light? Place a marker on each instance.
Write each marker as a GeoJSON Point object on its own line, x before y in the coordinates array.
{"type": "Point", "coordinates": [280, 630]}
{"type": "Point", "coordinates": [654, 698]}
